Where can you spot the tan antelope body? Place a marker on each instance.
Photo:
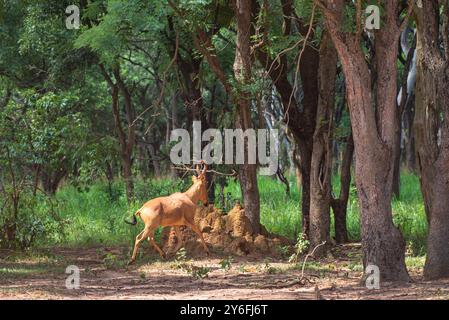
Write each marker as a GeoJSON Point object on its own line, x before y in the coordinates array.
{"type": "Point", "coordinates": [175, 210]}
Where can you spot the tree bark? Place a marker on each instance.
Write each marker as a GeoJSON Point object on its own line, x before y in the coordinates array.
{"type": "Point", "coordinates": [52, 178]}
{"type": "Point", "coordinates": [191, 92]}
{"type": "Point", "coordinates": [432, 132]}
{"type": "Point", "coordinates": [308, 70]}
{"type": "Point", "coordinates": [128, 147]}
{"type": "Point", "coordinates": [321, 162]}
{"type": "Point", "coordinates": [397, 161]}
{"type": "Point", "coordinates": [154, 160]}
{"type": "Point", "coordinates": [126, 140]}
{"type": "Point", "coordinates": [340, 205]}
{"type": "Point", "coordinates": [242, 71]}
{"type": "Point", "coordinates": [300, 119]}
{"type": "Point", "coordinates": [374, 135]}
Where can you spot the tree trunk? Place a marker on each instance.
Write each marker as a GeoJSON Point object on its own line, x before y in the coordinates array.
{"type": "Point", "coordinates": [340, 205]}
{"type": "Point", "coordinates": [397, 161]}
{"type": "Point", "coordinates": [321, 163]}
{"type": "Point", "coordinates": [51, 179]}
{"type": "Point", "coordinates": [242, 74]}
{"type": "Point", "coordinates": [242, 71]}
{"type": "Point", "coordinates": [191, 94]}
{"type": "Point", "coordinates": [300, 123]}
{"type": "Point", "coordinates": [11, 226]}
{"type": "Point", "coordinates": [299, 117]}
{"type": "Point", "coordinates": [432, 134]}
{"type": "Point", "coordinates": [127, 176]}
{"type": "Point", "coordinates": [126, 140]}
{"type": "Point", "coordinates": [155, 162]}
{"type": "Point", "coordinates": [124, 154]}
{"type": "Point", "coordinates": [435, 181]}
{"type": "Point", "coordinates": [309, 78]}
{"type": "Point", "coordinates": [374, 135]}
{"type": "Point", "coordinates": [174, 125]}
{"type": "Point", "coordinates": [297, 162]}
{"type": "Point", "coordinates": [109, 173]}
{"type": "Point", "coordinates": [131, 136]}
{"type": "Point", "coordinates": [305, 150]}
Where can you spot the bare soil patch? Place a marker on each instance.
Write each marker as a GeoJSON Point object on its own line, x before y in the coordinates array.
{"type": "Point", "coordinates": [105, 276]}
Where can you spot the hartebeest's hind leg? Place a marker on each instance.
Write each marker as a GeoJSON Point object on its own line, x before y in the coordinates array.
{"type": "Point", "coordinates": [141, 236]}
{"type": "Point", "coordinates": [198, 232]}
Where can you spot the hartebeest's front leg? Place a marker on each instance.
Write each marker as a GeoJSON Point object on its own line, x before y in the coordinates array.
{"type": "Point", "coordinates": [179, 238]}
{"type": "Point", "coordinates": [198, 232]}
{"type": "Point", "coordinates": [152, 242]}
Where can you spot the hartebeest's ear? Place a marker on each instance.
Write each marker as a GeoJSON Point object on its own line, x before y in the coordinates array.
{"type": "Point", "coordinates": [204, 168]}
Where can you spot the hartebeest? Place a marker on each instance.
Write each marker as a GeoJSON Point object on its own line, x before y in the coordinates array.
{"type": "Point", "coordinates": [175, 210]}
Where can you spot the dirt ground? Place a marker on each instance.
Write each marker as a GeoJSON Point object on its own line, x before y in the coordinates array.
{"type": "Point", "coordinates": [104, 275]}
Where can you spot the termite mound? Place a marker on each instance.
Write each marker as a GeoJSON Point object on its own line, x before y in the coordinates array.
{"type": "Point", "coordinates": [229, 234]}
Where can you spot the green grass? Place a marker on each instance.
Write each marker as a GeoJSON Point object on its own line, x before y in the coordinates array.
{"type": "Point", "coordinates": [93, 217]}
{"type": "Point", "coordinates": [96, 215]}
{"type": "Point", "coordinates": [409, 215]}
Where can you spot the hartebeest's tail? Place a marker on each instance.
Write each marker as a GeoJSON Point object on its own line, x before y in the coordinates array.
{"type": "Point", "coordinates": [134, 219]}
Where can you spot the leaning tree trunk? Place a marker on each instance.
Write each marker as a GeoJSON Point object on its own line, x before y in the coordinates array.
{"type": "Point", "coordinates": [242, 72]}
{"type": "Point", "coordinates": [321, 164]}
{"type": "Point", "coordinates": [432, 134]}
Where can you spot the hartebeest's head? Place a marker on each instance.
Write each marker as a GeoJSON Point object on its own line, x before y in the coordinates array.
{"type": "Point", "coordinates": [200, 181]}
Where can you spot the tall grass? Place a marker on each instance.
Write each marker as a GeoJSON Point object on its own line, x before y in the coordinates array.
{"type": "Point", "coordinates": [96, 215]}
